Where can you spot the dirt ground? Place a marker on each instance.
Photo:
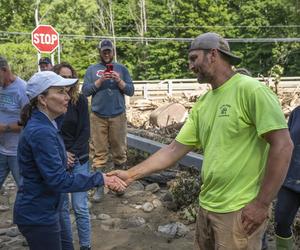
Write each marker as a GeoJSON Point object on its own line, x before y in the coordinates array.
{"type": "Point", "coordinates": [136, 238]}
{"type": "Point", "coordinates": [110, 227]}
{"type": "Point", "coordinates": [114, 233]}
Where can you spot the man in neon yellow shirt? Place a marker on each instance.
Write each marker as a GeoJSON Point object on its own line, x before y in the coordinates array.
{"type": "Point", "coordinates": [247, 148]}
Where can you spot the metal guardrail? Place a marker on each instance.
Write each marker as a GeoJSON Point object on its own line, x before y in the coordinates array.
{"type": "Point", "coordinates": [160, 88]}
{"type": "Point", "coordinates": [189, 160]}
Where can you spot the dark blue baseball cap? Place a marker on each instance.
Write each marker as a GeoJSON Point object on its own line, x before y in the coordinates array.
{"type": "Point", "coordinates": [45, 60]}
{"type": "Point", "coordinates": [106, 44]}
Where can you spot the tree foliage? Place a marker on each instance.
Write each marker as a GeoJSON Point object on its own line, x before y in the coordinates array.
{"type": "Point", "coordinates": [78, 20]}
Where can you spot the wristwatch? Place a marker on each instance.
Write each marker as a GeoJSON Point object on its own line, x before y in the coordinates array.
{"type": "Point", "coordinates": [7, 128]}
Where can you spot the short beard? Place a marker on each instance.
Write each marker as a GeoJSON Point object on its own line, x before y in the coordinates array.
{"type": "Point", "coordinates": [103, 62]}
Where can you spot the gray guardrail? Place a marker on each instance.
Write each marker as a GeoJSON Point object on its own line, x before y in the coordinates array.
{"type": "Point", "coordinates": [189, 160]}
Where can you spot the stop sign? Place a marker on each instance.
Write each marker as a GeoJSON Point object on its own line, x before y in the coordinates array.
{"type": "Point", "coordinates": [45, 38]}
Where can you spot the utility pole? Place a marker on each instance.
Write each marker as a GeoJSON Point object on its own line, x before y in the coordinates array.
{"type": "Point", "coordinates": [36, 17]}
{"type": "Point", "coordinates": [112, 27]}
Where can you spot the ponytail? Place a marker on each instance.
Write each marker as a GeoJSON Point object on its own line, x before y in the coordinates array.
{"type": "Point", "coordinates": [27, 111]}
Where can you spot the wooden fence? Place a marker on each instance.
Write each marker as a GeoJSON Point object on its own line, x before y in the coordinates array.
{"type": "Point", "coordinates": [159, 89]}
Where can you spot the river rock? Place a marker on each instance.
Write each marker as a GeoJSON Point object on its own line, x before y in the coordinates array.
{"type": "Point", "coordinates": [168, 230]}
{"type": "Point", "coordinates": [3, 208]}
{"type": "Point", "coordinates": [135, 186]}
{"type": "Point", "coordinates": [133, 193]}
{"type": "Point", "coordinates": [3, 231]}
{"type": "Point", "coordinates": [153, 188]}
{"type": "Point", "coordinates": [133, 222]}
{"type": "Point", "coordinates": [182, 230]}
{"type": "Point", "coordinates": [173, 230]}
{"type": "Point", "coordinates": [103, 217]}
{"type": "Point", "coordinates": [156, 203]}
{"type": "Point", "coordinates": [112, 223]}
{"type": "Point", "coordinates": [13, 232]}
{"type": "Point", "coordinates": [147, 207]}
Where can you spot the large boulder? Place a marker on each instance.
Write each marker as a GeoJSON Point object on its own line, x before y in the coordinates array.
{"type": "Point", "coordinates": [168, 114]}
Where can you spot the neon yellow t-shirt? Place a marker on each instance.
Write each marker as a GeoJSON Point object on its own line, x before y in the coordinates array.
{"type": "Point", "coordinates": [227, 123]}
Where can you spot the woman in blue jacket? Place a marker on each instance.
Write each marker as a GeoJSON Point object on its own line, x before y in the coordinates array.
{"type": "Point", "coordinates": [288, 201]}
{"type": "Point", "coordinates": [42, 161]}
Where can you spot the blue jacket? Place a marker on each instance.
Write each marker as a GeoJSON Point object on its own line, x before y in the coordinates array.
{"type": "Point", "coordinates": [42, 161]}
{"type": "Point", "coordinates": [292, 179]}
{"type": "Point", "coordinates": [107, 100]}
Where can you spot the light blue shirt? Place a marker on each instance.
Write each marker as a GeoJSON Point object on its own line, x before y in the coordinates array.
{"type": "Point", "coordinates": [12, 99]}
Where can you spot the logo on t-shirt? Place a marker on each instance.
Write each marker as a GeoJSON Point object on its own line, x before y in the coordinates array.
{"type": "Point", "coordinates": [224, 110]}
{"type": "Point", "coordinates": [100, 72]}
{"type": "Point", "coordinates": [6, 99]}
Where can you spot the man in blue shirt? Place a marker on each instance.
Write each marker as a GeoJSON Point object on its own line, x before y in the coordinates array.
{"type": "Point", "coordinates": [12, 99]}
{"type": "Point", "coordinates": [107, 82]}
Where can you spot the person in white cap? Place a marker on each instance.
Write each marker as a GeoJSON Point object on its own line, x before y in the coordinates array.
{"type": "Point", "coordinates": [241, 128]}
{"type": "Point", "coordinates": [42, 160]}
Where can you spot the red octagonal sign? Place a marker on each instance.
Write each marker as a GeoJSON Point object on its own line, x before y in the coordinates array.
{"type": "Point", "coordinates": [45, 38]}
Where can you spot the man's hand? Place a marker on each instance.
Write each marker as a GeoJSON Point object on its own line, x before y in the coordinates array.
{"type": "Point", "coordinates": [116, 76]}
{"type": "Point", "coordinates": [122, 174]}
{"type": "Point", "coordinates": [253, 215]}
{"type": "Point", "coordinates": [104, 77]}
{"type": "Point", "coordinates": [114, 183]}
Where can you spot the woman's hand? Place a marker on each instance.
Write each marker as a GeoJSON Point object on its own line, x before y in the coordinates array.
{"type": "Point", "coordinates": [70, 160]}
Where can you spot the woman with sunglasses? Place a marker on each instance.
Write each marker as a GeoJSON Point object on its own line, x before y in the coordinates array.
{"type": "Point", "coordinates": [42, 161]}
{"type": "Point", "coordinates": [75, 131]}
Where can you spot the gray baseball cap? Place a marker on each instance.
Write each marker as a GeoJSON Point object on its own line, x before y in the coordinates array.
{"type": "Point", "coordinates": [3, 62]}
{"type": "Point", "coordinates": [212, 40]}
{"type": "Point", "coordinates": [43, 80]}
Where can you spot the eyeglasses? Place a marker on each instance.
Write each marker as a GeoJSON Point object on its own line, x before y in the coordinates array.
{"type": "Point", "coordinates": [68, 77]}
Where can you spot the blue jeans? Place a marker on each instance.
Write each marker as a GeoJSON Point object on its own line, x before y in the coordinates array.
{"type": "Point", "coordinates": [81, 211]}
{"type": "Point", "coordinates": [288, 203]}
{"type": "Point", "coordinates": [7, 164]}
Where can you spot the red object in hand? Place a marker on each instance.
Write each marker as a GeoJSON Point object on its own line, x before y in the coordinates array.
{"type": "Point", "coordinates": [109, 68]}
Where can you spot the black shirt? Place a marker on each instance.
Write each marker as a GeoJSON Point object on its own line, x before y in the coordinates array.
{"type": "Point", "coordinates": [75, 129]}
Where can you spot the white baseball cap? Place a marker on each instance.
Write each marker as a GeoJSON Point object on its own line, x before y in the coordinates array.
{"type": "Point", "coordinates": [43, 80]}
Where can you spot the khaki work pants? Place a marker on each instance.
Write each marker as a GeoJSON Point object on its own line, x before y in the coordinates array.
{"type": "Point", "coordinates": [108, 135]}
{"type": "Point", "coordinates": [216, 231]}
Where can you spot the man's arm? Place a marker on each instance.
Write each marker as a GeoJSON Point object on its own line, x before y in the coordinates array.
{"type": "Point", "coordinates": [10, 127]}
{"type": "Point", "coordinates": [280, 152]}
{"type": "Point", "coordinates": [89, 87]}
{"type": "Point", "coordinates": [162, 159]}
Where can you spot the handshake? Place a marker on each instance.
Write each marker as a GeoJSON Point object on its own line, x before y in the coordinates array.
{"type": "Point", "coordinates": [117, 180]}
